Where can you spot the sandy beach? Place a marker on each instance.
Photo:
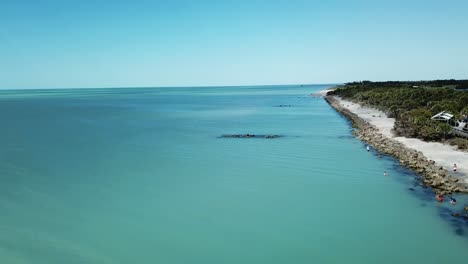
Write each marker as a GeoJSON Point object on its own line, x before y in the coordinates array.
{"type": "Point", "coordinates": [443, 155]}
{"type": "Point", "coordinates": [322, 92]}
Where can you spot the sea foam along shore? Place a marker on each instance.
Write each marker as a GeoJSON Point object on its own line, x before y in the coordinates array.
{"type": "Point", "coordinates": [430, 160]}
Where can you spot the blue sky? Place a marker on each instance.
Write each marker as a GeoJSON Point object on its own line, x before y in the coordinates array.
{"type": "Point", "coordinates": [103, 43]}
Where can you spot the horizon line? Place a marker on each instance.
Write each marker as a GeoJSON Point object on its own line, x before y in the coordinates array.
{"type": "Point", "coordinates": [176, 86]}
{"type": "Point", "coordinates": [221, 86]}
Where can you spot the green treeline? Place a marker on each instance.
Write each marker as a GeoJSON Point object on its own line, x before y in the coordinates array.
{"type": "Point", "coordinates": [413, 104]}
{"type": "Point", "coordinates": [456, 84]}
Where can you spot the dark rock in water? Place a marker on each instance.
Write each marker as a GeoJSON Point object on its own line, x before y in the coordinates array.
{"type": "Point", "coordinates": [455, 214]}
{"type": "Point", "coordinates": [456, 223]}
{"type": "Point", "coordinates": [283, 105]}
{"type": "Point", "coordinates": [270, 136]}
{"type": "Point", "coordinates": [445, 213]}
{"type": "Point", "coordinates": [460, 231]}
{"type": "Point", "coordinates": [411, 189]}
{"type": "Point", "coordinates": [249, 136]}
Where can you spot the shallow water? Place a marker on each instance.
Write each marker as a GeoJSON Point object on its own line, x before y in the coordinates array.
{"type": "Point", "coordinates": [141, 176]}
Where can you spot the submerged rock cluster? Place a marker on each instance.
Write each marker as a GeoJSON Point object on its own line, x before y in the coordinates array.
{"type": "Point", "coordinates": [249, 136]}
{"type": "Point", "coordinates": [434, 176]}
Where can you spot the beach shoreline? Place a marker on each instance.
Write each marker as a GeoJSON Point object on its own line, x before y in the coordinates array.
{"type": "Point", "coordinates": [431, 160]}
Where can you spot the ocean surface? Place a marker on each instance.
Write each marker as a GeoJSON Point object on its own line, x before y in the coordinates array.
{"type": "Point", "coordinates": [142, 176]}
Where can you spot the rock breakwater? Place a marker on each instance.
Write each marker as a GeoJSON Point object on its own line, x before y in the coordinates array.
{"type": "Point", "coordinates": [249, 136]}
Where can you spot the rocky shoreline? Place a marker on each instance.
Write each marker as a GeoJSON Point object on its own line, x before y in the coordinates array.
{"type": "Point", "coordinates": [434, 176]}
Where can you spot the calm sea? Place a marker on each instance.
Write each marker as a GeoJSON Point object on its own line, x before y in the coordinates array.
{"type": "Point", "coordinates": [141, 176]}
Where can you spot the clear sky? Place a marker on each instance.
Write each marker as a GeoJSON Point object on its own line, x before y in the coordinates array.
{"type": "Point", "coordinates": [112, 43]}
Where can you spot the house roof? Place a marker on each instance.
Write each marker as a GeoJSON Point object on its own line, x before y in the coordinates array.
{"type": "Point", "coordinates": [442, 116]}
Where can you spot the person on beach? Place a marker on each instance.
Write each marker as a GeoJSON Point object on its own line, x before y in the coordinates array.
{"type": "Point", "coordinates": [453, 201]}
{"type": "Point", "coordinates": [454, 167]}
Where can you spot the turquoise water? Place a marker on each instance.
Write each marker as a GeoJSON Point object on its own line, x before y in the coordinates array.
{"type": "Point", "coordinates": [141, 176]}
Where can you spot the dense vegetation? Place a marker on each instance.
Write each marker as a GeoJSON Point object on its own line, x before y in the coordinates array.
{"type": "Point", "coordinates": [413, 104]}
{"type": "Point", "coordinates": [457, 84]}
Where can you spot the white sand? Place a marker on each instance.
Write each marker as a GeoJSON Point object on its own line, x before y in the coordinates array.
{"type": "Point", "coordinates": [443, 155]}
{"type": "Point", "coordinates": [322, 92]}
